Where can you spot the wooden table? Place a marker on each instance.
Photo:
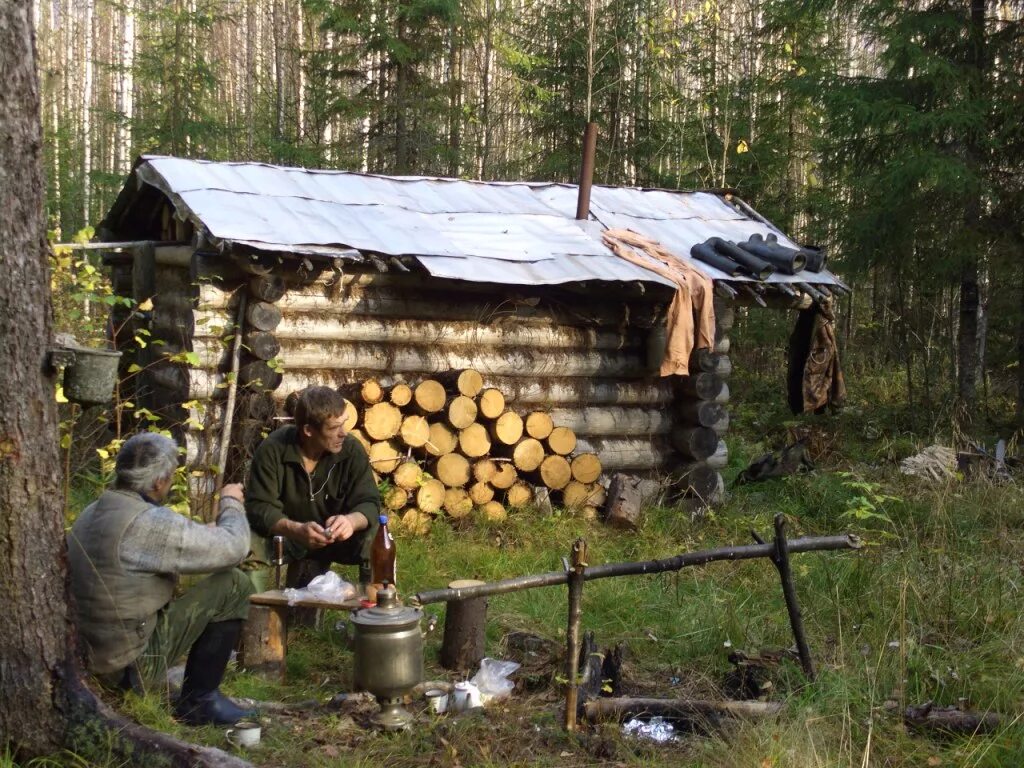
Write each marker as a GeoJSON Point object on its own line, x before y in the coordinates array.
{"type": "Point", "coordinates": [264, 638]}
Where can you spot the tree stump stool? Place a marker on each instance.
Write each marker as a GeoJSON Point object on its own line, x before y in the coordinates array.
{"type": "Point", "coordinates": [265, 634]}
{"type": "Point", "coordinates": [465, 626]}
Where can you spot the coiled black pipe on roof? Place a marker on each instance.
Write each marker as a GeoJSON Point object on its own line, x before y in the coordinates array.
{"type": "Point", "coordinates": [706, 253]}
{"type": "Point", "coordinates": [787, 260]}
{"type": "Point", "coordinates": [751, 263]}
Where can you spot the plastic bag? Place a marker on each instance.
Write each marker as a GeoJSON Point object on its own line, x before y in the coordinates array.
{"type": "Point", "coordinates": [328, 587]}
{"type": "Point", "coordinates": [492, 679]}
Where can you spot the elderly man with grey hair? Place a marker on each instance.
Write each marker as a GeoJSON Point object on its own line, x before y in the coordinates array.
{"type": "Point", "coordinates": [126, 552]}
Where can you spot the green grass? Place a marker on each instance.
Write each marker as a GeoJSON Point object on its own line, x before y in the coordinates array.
{"type": "Point", "coordinates": [929, 610]}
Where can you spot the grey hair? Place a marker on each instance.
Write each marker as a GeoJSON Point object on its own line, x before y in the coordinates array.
{"type": "Point", "coordinates": [144, 460]}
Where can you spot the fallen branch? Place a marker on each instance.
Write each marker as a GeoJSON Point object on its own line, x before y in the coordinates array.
{"type": "Point", "coordinates": [681, 709]}
{"type": "Point", "coordinates": [951, 719]}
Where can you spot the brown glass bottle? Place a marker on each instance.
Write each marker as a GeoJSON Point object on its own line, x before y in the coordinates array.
{"type": "Point", "coordinates": [382, 555]}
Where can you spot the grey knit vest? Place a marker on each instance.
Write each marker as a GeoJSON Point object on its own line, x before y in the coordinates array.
{"type": "Point", "coordinates": [116, 609]}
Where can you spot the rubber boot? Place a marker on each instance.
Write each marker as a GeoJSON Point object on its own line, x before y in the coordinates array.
{"type": "Point", "coordinates": [201, 702]}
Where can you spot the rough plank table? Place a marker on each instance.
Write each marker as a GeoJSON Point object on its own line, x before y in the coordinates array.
{"type": "Point", "coordinates": [264, 638]}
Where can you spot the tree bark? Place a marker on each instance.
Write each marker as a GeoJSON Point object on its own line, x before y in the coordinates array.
{"type": "Point", "coordinates": [967, 334]}
{"type": "Point", "coordinates": [35, 641]}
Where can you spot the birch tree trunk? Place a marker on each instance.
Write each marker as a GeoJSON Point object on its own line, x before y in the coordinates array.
{"type": "Point", "coordinates": [126, 88]}
{"type": "Point", "coordinates": [87, 23]}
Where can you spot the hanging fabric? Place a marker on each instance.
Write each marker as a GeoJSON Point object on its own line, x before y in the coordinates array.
{"type": "Point", "coordinates": [691, 317]}
{"type": "Point", "coordinates": [815, 376]}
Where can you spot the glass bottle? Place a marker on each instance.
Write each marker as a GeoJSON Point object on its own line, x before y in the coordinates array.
{"type": "Point", "coordinates": [382, 555]}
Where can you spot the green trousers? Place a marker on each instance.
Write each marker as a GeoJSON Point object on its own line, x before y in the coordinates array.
{"type": "Point", "coordinates": [220, 597]}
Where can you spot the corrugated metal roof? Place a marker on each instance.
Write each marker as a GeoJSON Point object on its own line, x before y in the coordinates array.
{"type": "Point", "coordinates": [501, 232]}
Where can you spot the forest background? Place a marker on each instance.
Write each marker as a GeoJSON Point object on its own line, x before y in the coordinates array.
{"type": "Point", "coordinates": [888, 131]}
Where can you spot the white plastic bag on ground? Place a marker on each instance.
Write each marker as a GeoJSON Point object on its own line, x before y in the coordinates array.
{"type": "Point", "coordinates": [328, 587]}
{"type": "Point", "coordinates": [492, 679]}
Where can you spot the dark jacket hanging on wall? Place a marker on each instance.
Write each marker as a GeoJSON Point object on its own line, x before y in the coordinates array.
{"type": "Point", "coordinates": [815, 377]}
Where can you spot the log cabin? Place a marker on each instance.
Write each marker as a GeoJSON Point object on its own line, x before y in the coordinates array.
{"type": "Point", "coordinates": [254, 281]}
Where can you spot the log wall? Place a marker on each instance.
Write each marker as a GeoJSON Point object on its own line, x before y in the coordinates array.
{"type": "Point", "coordinates": [583, 356]}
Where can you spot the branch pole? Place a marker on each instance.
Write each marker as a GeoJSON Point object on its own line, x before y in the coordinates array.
{"type": "Point", "coordinates": [229, 408]}
{"type": "Point", "coordinates": [781, 562]}
{"type": "Point", "coordinates": [684, 560]}
{"type": "Point", "coordinates": [572, 634]}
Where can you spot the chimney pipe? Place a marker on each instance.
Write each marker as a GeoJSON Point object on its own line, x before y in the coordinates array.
{"type": "Point", "coordinates": [587, 171]}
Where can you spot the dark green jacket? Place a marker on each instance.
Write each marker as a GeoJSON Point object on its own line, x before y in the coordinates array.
{"type": "Point", "coordinates": [280, 487]}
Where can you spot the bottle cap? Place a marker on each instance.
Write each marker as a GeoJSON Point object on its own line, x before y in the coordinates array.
{"type": "Point", "coordinates": [383, 519]}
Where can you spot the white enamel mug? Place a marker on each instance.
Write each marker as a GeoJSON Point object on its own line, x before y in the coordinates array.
{"type": "Point", "coordinates": [245, 734]}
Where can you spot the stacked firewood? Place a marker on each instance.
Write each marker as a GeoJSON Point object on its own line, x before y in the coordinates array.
{"type": "Point", "coordinates": [448, 445]}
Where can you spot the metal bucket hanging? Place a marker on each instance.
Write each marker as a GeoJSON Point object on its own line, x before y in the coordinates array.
{"type": "Point", "coordinates": [90, 378]}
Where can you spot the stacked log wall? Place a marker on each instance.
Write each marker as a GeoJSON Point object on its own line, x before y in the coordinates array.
{"type": "Point", "coordinates": [703, 416]}
{"type": "Point", "coordinates": [581, 358]}
{"type": "Point", "coordinates": [582, 362]}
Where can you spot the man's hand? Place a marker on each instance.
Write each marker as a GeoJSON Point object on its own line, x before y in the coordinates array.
{"type": "Point", "coordinates": [339, 528]}
{"type": "Point", "coordinates": [233, 491]}
{"type": "Point", "coordinates": [310, 535]}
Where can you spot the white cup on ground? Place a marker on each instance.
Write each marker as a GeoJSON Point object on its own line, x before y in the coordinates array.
{"type": "Point", "coordinates": [437, 700]}
{"type": "Point", "coordinates": [244, 733]}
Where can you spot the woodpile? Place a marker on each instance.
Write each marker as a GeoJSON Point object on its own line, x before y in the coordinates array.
{"type": "Point", "coordinates": [446, 445]}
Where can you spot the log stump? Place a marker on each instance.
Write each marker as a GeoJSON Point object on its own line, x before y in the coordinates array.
{"type": "Point", "coordinates": [465, 627]}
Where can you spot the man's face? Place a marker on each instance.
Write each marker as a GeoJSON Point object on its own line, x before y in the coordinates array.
{"type": "Point", "coordinates": [330, 437]}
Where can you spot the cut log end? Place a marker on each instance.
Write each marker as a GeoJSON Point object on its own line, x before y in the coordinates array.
{"type": "Point", "coordinates": [371, 392]}
{"type": "Point", "coordinates": [469, 383]}
{"type": "Point", "coordinates": [457, 503]}
{"type": "Point", "coordinates": [441, 440]}
{"type": "Point", "coordinates": [519, 495]}
{"type": "Point", "coordinates": [562, 441]}
{"type": "Point", "coordinates": [481, 493]}
{"type": "Point", "coordinates": [382, 421]}
{"type": "Point", "coordinates": [430, 496]}
{"type": "Point", "coordinates": [414, 431]}
{"type": "Point", "coordinates": [505, 474]}
{"type": "Point", "coordinates": [395, 498]}
{"type": "Point", "coordinates": [555, 472]}
{"type": "Point", "coordinates": [384, 457]}
{"type": "Point", "coordinates": [400, 395]}
{"type": "Point", "coordinates": [462, 412]}
{"type": "Point", "coordinates": [539, 425]}
{"type": "Point", "coordinates": [528, 454]}
{"type": "Point", "coordinates": [484, 470]}
{"type": "Point", "coordinates": [493, 511]}
{"type": "Point", "coordinates": [407, 475]}
{"type": "Point", "coordinates": [474, 441]}
{"type": "Point", "coordinates": [430, 396]}
{"type": "Point", "coordinates": [416, 522]}
{"type": "Point", "coordinates": [586, 468]}
{"type": "Point", "coordinates": [453, 470]}
{"type": "Point", "coordinates": [508, 428]}
{"type": "Point", "coordinates": [491, 403]}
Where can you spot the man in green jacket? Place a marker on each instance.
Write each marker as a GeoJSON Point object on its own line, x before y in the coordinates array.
{"type": "Point", "coordinates": [312, 484]}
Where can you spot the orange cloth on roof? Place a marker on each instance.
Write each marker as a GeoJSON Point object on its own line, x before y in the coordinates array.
{"type": "Point", "coordinates": [691, 315]}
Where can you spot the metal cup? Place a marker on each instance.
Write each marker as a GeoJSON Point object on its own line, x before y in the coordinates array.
{"type": "Point", "coordinates": [437, 700]}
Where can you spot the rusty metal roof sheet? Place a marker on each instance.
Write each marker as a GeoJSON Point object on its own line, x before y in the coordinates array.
{"type": "Point", "coordinates": [497, 232]}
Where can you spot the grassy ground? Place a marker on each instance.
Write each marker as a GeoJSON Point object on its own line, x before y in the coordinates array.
{"type": "Point", "coordinates": [929, 610]}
